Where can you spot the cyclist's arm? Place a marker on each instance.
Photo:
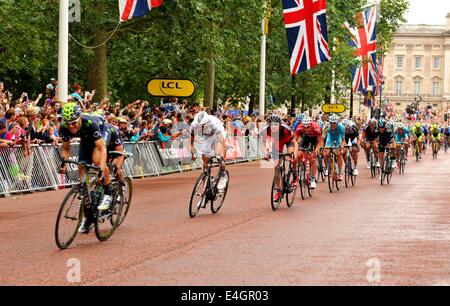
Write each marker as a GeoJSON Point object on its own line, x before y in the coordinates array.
{"type": "Point", "coordinates": [223, 144]}
{"type": "Point", "coordinates": [100, 145]}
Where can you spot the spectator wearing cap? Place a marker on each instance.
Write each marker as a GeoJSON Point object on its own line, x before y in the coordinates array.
{"type": "Point", "coordinates": [50, 89]}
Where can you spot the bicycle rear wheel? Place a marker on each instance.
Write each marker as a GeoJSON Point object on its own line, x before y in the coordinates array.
{"type": "Point", "coordinates": [348, 171]}
{"type": "Point", "coordinates": [301, 179]}
{"type": "Point", "coordinates": [275, 190]}
{"type": "Point", "coordinates": [127, 200]}
{"type": "Point", "coordinates": [373, 167]}
{"type": "Point", "coordinates": [290, 196]}
{"type": "Point", "coordinates": [220, 197]}
{"type": "Point", "coordinates": [106, 222]}
{"type": "Point", "coordinates": [198, 196]}
{"type": "Point", "coordinates": [331, 174]}
{"type": "Point", "coordinates": [69, 219]}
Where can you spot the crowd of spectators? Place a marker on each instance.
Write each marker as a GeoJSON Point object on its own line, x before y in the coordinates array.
{"type": "Point", "coordinates": [26, 120]}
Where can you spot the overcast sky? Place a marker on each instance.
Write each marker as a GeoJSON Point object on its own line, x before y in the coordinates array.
{"type": "Point", "coordinates": [428, 11]}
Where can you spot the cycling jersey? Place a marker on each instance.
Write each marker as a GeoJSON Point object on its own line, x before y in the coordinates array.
{"type": "Point", "coordinates": [401, 137]}
{"type": "Point", "coordinates": [385, 138]}
{"type": "Point", "coordinates": [352, 134]}
{"type": "Point", "coordinates": [370, 134]}
{"type": "Point", "coordinates": [417, 131]}
{"type": "Point", "coordinates": [210, 132]}
{"type": "Point", "coordinates": [435, 134]}
{"type": "Point", "coordinates": [310, 136]}
{"type": "Point", "coordinates": [285, 136]}
{"type": "Point", "coordinates": [112, 137]}
{"type": "Point", "coordinates": [92, 129]}
{"type": "Point", "coordinates": [335, 136]}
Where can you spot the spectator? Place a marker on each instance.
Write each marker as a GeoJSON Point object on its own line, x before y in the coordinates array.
{"type": "Point", "coordinates": [50, 89]}
{"type": "Point", "coordinates": [6, 139]}
{"type": "Point", "coordinates": [10, 117]}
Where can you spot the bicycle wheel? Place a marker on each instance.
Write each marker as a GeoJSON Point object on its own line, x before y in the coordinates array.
{"type": "Point", "coordinates": [291, 191]}
{"type": "Point", "coordinates": [126, 201]}
{"type": "Point", "coordinates": [301, 179]}
{"type": "Point", "coordinates": [373, 167]}
{"type": "Point", "coordinates": [69, 219]}
{"type": "Point", "coordinates": [353, 177]}
{"type": "Point", "coordinates": [331, 174]}
{"type": "Point", "coordinates": [335, 176]}
{"type": "Point", "coordinates": [278, 177]}
{"type": "Point", "coordinates": [308, 184]}
{"type": "Point", "coordinates": [220, 196]}
{"type": "Point", "coordinates": [198, 196]}
{"type": "Point", "coordinates": [348, 171]}
{"type": "Point", "coordinates": [107, 221]}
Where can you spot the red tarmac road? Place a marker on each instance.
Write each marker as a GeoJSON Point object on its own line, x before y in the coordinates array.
{"type": "Point", "coordinates": [401, 231]}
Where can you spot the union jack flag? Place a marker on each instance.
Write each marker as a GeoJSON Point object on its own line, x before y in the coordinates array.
{"type": "Point", "coordinates": [364, 40]}
{"type": "Point", "coordinates": [306, 28]}
{"type": "Point", "coordinates": [135, 8]}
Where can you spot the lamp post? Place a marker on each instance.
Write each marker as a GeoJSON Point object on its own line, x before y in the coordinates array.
{"type": "Point", "coordinates": [63, 51]}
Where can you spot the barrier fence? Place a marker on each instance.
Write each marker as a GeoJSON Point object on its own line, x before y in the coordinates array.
{"type": "Point", "coordinates": [40, 169]}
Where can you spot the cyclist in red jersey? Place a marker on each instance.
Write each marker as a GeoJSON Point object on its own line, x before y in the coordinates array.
{"type": "Point", "coordinates": [284, 137]}
{"type": "Point", "coordinates": [309, 135]}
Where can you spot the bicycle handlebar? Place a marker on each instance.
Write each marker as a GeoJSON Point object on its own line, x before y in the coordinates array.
{"type": "Point", "coordinates": [82, 164]}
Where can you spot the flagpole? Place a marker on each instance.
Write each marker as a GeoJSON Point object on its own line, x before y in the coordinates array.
{"type": "Point", "coordinates": [262, 80]}
{"type": "Point", "coordinates": [63, 51]}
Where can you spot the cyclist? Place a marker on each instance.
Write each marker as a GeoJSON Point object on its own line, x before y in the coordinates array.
{"type": "Point", "coordinates": [335, 136]}
{"type": "Point", "coordinates": [417, 136]}
{"type": "Point", "coordinates": [298, 121]}
{"type": "Point", "coordinates": [426, 133]}
{"type": "Point", "coordinates": [277, 128]}
{"type": "Point", "coordinates": [446, 134]}
{"type": "Point", "coordinates": [370, 136]}
{"type": "Point", "coordinates": [115, 144]}
{"type": "Point", "coordinates": [385, 139]}
{"type": "Point", "coordinates": [352, 137]}
{"type": "Point", "coordinates": [213, 137]}
{"type": "Point", "coordinates": [309, 134]}
{"type": "Point", "coordinates": [92, 148]}
{"type": "Point", "coordinates": [436, 136]}
{"type": "Point", "coordinates": [402, 135]}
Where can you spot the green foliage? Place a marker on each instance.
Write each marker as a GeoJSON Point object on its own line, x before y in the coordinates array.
{"type": "Point", "coordinates": [172, 41]}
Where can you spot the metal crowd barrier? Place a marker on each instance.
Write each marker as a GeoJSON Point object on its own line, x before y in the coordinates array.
{"type": "Point", "coordinates": [40, 170]}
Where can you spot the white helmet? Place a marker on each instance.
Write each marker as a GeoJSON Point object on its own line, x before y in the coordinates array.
{"type": "Point", "coordinates": [307, 121]}
{"type": "Point", "coordinates": [201, 118]}
{"type": "Point", "coordinates": [334, 118]}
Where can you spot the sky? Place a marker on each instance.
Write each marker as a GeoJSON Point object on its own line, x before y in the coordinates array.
{"type": "Point", "coordinates": [431, 12]}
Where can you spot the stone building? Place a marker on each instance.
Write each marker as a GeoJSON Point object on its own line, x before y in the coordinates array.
{"type": "Point", "coordinates": [418, 64]}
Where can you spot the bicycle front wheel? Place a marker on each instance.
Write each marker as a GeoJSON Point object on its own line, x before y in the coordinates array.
{"type": "Point", "coordinates": [220, 196]}
{"type": "Point", "coordinates": [69, 219]}
{"type": "Point", "coordinates": [198, 196]}
{"type": "Point", "coordinates": [290, 196]}
{"type": "Point", "coordinates": [331, 174]}
{"type": "Point", "coordinates": [277, 191]}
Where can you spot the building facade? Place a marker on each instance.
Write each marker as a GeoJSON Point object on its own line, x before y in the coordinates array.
{"type": "Point", "coordinates": [418, 64]}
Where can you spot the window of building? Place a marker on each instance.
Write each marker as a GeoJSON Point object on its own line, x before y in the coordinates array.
{"type": "Point", "coordinates": [435, 105]}
{"type": "Point", "coordinates": [417, 87]}
{"type": "Point", "coordinates": [436, 88]}
{"type": "Point", "coordinates": [399, 61]}
{"type": "Point", "coordinates": [436, 63]}
{"type": "Point", "coordinates": [418, 62]}
{"type": "Point", "coordinates": [398, 104]}
{"type": "Point", "coordinates": [399, 88]}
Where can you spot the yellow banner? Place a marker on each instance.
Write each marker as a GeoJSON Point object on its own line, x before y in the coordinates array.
{"type": "Point", "coordinates": [171, 88]}
{"type": "Point", "coordinates": [333, 108]}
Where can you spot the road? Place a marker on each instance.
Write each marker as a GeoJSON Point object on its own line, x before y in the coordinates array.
{"type": "Point", "coordinates": [367, 235]}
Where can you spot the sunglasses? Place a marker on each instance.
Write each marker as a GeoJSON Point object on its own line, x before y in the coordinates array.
{"type": "Point", "coordinates": [73, 123]}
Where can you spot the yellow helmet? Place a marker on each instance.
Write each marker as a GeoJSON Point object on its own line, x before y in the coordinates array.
{"type": "Point", "coordinates": [417, 125]}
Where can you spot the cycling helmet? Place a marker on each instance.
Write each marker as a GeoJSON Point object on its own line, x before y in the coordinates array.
{"type": "Point", "coordinates": [400, 126]}
{"type": "Point", "coordinates": [418, 125]}
{"type": "Point", "coordinates": [201, 118]}
{"type": "Point", "coordinates": [274, 119]}
{"type": "Point", "coordinates": [346, 123]}
{"type": "Point", "coordinates": [382, 124]}
{"type": "Point", "coordinates": [435, 126]}
{"type": "Point", "coordinates": [307, 121]}
{"type": "Point", "coordinates": [301, 117]}
{"type": "Point", "coordinates": [71, 112]}
{"type": "Point", "coordinates": [372, 122]}
{"type": "Point", "coordinates": [334, 118]}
